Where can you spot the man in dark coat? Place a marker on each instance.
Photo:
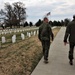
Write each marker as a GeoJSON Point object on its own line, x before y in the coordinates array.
{"type": "Point", "coordinates": [44, 35]}
{"type": "Point", "coordinates": [70, 32]}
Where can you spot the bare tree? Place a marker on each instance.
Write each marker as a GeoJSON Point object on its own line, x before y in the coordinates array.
{"type": "Point", "coordinates": [19, 12]}
{"type": "Point", "coordinates": [14, 14]}
{"type": "Point", "coordinates": [8, 14]}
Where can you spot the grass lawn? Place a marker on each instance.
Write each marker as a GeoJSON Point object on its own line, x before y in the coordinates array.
{"type": "Point", "coordinates": [22, 57]}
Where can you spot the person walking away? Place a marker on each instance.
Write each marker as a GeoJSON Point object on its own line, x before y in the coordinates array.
{"type": "Point", "coordinates": [70, 32]}
{"type": "Point", "coordinates": [45, 32]}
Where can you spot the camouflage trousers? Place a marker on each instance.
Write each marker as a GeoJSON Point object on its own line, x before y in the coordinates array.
{"type": "Point", "coordinates": [71, 51]}
{"type": "Point", "coordinates": [45, 45]}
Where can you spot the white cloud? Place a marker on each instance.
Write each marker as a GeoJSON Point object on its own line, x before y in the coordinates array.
{"type": "Point", "coordinates": [36, 9]}
{"type": "Point", "coordinates": [1, 4]}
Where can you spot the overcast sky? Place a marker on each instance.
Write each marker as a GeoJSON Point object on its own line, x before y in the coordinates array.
{"type": "Point", "coordinates": [36, 9]}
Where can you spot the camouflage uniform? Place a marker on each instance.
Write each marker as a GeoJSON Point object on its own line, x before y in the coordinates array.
{"type": "Point", "coordinates": [70, 31]}
{"type": "Point", "coordinates": [45, 38]}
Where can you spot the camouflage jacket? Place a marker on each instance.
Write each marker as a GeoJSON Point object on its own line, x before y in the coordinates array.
{"type": "Point", "coordinates": [46, 30]}
{"type": "Point", "coordinates": [70, 32]}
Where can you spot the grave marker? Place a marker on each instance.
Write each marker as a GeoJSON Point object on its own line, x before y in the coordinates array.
{"type": "Point", "coordinates": [3, 39]}
{"type": "Point", "coordinates": [13, 38]}
{"type": "Point", "coordinates": [22, 36]}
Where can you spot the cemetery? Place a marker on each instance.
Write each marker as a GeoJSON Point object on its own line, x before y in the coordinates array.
{"type": "Point", "coordinates": [23, 51]}
{"type": "Point", "coordinates": [20, 51]}
{"type": "Point", "coordinates": [13, 36]}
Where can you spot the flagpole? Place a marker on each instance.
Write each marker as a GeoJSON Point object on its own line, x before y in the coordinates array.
{"type": "Point", "coordinates": [50, 16]}
{"type": "Point", "coordinates": [47, 14]}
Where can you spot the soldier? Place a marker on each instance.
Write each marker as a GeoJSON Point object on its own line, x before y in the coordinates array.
{"type": "Point", "coordinates": [70, 32]}
{"type": "Point", "coordinates": [44, 36]}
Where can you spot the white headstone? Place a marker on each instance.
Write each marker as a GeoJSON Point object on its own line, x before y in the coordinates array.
{"type": "Point", "coordinates": [13, 38]}
{"type": "Point", "coordinates": [34, 32]}
{"type": "Point", "coordinates": [3, 39]}
{"type": "Point", "coordinates": [22, 36]}
{"type": "Point", "coordinates": [29, 35]}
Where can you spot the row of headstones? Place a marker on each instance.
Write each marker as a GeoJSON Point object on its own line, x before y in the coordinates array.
{"type": "Point", "coordinates": [29, 34]}
{"type": "Point", "coordinates": [6, 32]}
{"type": "Point", "coordinates": [15, 30]}
{"type": "Point", "coordinates": [10, 31]}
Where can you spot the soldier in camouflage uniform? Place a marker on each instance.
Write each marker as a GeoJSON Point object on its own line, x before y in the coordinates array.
{"type": "Point", "coordinates": [44, 36]}
{"type": "Point", "coordinates": [70, 32]}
